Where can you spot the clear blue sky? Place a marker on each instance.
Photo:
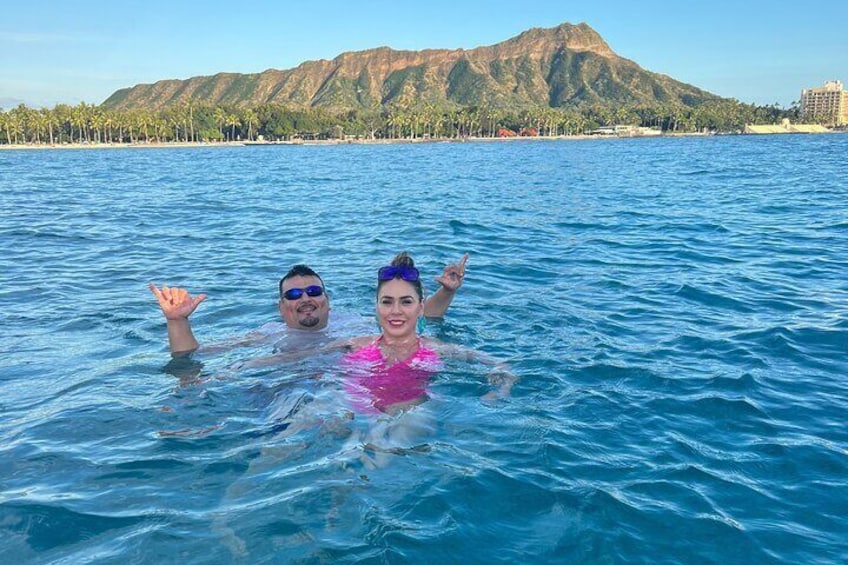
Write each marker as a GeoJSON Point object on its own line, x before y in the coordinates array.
{"type": "Point", "coordinates": [65, 52]}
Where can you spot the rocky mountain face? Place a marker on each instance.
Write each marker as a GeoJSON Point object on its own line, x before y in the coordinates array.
{"type": "Point", "coordinates": [568, 65]}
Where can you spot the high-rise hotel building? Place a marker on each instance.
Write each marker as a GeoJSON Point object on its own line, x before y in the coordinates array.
{"type": "Point", "coordinates": [828, 103]}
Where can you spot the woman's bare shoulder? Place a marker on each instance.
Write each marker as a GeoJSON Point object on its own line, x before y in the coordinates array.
{"type": "Point", "coordinates": [356, 343]}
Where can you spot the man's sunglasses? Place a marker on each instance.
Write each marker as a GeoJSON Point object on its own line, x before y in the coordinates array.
{"type": "Point", "coordinates": [296, 293]}
{"type": "Point", "coordinates": [409, 274]}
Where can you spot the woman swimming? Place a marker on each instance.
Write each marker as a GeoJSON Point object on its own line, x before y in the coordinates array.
{"type": "Point", "coordinates": [389, 373]}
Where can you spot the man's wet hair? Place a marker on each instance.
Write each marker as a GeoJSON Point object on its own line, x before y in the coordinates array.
{"type": "Point", "coordinates": [299, 271]}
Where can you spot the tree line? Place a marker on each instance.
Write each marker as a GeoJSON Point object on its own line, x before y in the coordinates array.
{"type": "Point", "coordinates": [195, 121]}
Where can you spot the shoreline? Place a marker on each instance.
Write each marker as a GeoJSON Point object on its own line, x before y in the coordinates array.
{"type": "Point", "coordinates": [192, 144]}
{"type": "Point", "coordinates": [330, 142]}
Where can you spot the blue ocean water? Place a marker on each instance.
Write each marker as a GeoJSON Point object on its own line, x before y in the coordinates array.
{"type": "Point", "coordinates": [676, 310]}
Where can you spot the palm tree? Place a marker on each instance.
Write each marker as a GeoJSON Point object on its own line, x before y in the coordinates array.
{"type": "Point", "coordinates": [62, 115]}
{"type": "Point", "coordinates": [108, 123]}
{"type": "Point", "coordinates": [185, 113]}
{"type": "Point", "coordinates": [51, 121]}
{"type": "Point", "coordinates": [391, 121]}
{"type": "Point", "coordinates": [121, 122]}
{"type": "Point", "coordinates": [79, 118]}
{"type": "Point", "coordinates": [220, 118]}
{"type": "Point", "coordinates": [142, 119]}
{"type": "Point", "coordinates": [96, 122]}
{"type": "Point", "coordinates": [232, 120]}
{"type": "Point", "coordinates": [21, 114]}
{"type": "Point", "coordinates": [190, 103]}
{"type": "Point", "coordinates": [161, 127]}
{"type": "Point", "coordinates": [4, 125]}
{"type": "Point", "coordinates": [131, 124]}
{"type": "Point", "coordinates": [174, 122]}
{"type": "Point", "coordinates": [41, 121]}
{"type": "Point", "coordinates": [249, 118]}
{"type": "Point", "coordinates": [17, 122]}
{"type": "Point", "coordinates": [494, 117]}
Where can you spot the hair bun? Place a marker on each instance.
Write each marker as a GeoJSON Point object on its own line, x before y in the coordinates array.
{"type": "Point", "coordinates": [403, 259]}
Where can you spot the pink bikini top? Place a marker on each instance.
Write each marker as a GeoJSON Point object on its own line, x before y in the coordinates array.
{"type": "Point", "coordinates": [373, 386]}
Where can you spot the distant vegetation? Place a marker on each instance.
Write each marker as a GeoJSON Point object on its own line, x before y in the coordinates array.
{"type": "Point", "coordinates": [548, 82]}
{"type": "Point", "coordinates": [198, 122]}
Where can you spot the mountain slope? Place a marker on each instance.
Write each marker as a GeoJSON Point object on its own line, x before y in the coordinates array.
{"type": "Point", "coordinates": [567, 65]}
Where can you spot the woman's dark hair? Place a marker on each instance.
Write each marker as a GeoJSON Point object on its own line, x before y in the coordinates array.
{"type": "Point", "coordinates": [403, 259]}
{"type": "Point", "coordinates": [299, 271]}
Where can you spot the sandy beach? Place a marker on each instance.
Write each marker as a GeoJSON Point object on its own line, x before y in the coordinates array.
{"type": "Point", "coordinates": [183, 144]}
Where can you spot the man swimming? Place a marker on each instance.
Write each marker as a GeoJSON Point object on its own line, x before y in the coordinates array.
{"type": "Point", "coordinates": [303, 305]}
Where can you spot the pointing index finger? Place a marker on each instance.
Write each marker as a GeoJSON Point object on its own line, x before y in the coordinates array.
{"type": "Point", "coordinates": [462, 263]}
{"type": "Point", "coordinates": [156, 292]}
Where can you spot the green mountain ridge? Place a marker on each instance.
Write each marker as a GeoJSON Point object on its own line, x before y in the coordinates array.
{"type": "Point", "coordinates": [565, 66]}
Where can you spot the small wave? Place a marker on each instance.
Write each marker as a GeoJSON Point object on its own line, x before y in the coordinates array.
{"type": "Point", "coordinates": [43, 527]}
{"type": "Point", "coordinates": [712, 299]}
